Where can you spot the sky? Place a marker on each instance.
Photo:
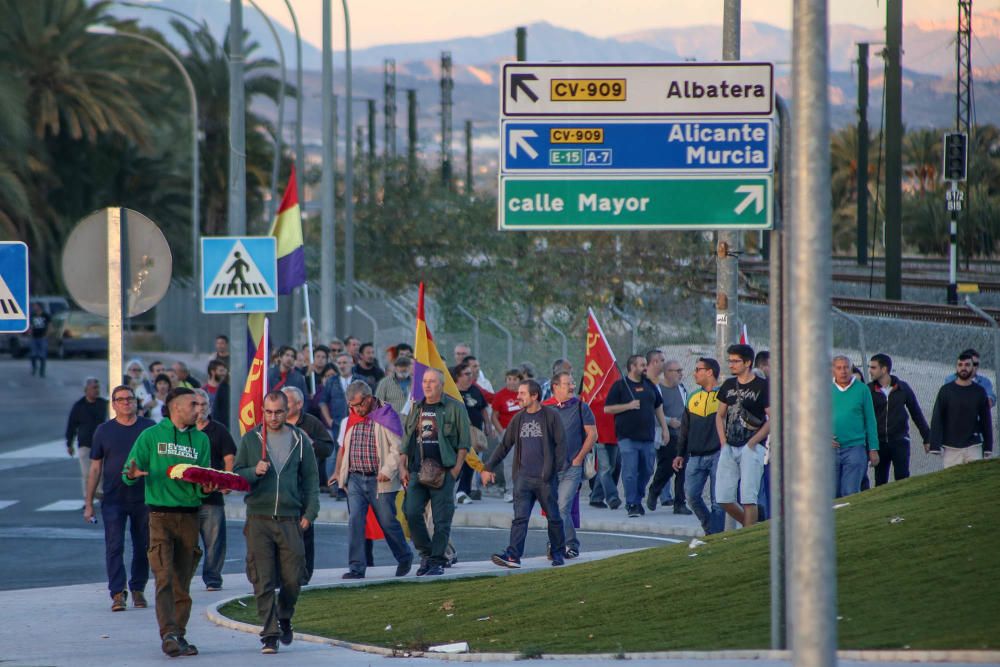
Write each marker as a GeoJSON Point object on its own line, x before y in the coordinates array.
{"type": "Point", "coordinates": [376, 22]}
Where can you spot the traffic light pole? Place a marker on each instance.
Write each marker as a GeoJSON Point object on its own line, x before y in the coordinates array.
{"type": "Point", "coordinates": [953, 200]}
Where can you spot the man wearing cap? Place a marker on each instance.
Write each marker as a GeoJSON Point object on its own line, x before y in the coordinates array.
{"type": "Point", "coordinates": [173, 511]}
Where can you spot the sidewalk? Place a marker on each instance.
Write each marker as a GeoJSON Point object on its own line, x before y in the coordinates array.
{"type": "Point", "coordinates": [493, 512]}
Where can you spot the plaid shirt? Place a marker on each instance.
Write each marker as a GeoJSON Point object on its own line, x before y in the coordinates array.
{"type": "Point", "coordinates": [363, 453]}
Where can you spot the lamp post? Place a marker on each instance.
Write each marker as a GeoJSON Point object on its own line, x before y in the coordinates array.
{"type": "Point", "coordinates": [300, 167]}
{"type": "Point", "coordinates": [195, 178]}
{"type": "Point", "coordinates": [348, 180]}
{"type": "Point", "coordinates": [276, 161]}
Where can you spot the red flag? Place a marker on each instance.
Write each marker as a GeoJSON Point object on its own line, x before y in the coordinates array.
{"type": "Point", "coordinates": [252, 400]}
{"type": "Point", "coordinates": [744, 337]}
{"type": "Point", "coordinates": [600, 372]}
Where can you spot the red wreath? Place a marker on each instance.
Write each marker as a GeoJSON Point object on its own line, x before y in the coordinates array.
{"type": "Point", "coordinates": [200, 475]}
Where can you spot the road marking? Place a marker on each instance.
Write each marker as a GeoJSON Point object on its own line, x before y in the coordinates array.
{"type": "Point", "coordinates": [49, 533]}
{"type": "Point", "coordinates": [62, 506]}
{"type": "Point", "coordinates": [638, 537]}
{"type": "Point", "coordinates": [4, 504]}
{"type": "Point", "coordinates": [54, 449]}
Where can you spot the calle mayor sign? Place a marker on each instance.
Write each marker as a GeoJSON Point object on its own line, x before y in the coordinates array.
{"type": "Point", "coordinates": [667, 146]}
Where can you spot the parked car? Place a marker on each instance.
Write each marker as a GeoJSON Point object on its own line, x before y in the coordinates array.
{"type": "Point", "coordinates": [18, 344]}
{"type": "Point", "coordinates": [77, 332]}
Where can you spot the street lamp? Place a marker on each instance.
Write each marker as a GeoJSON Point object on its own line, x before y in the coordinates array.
{"type": "Point", "coordinates": [348, 180]}
{"type": "Point", "coordinates": [273, 207]}
{"type": "Point", "coordinates": [195, 178]}
{"type": "Point", "coordinates": [299, 157]}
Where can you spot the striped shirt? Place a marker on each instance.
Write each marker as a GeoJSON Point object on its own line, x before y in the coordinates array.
{"type": "Point", "coordinates": [363, 452]}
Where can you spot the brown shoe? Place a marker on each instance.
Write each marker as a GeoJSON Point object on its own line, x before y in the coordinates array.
{"type": "Point", "coordinates": [118, 602]}
{"type": "Point", "coordinates": [139, 600]}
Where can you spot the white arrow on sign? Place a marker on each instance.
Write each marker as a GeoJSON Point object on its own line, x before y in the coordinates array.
{"type": "Point", "coordinates": [520, 138]}
{"type": "Point", "coordinates": [754, 193]}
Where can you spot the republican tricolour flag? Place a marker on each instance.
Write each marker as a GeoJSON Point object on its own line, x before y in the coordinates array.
{"type": "Point", "coordinates": [287, 229]}
{"type": "Point", "coordinates": [252, 400]}
{"type": "Point", "coordinates": [600, 372]}
{"type": "Point", "coordinates": [426, 355]}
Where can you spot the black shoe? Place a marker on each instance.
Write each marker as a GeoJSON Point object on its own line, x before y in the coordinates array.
{"type": "Point", "coordinates": [422, 570]}
{"type": "Point", "coordinates": [614, 503]}
{"type": "Point", "coordinates": [286, 631]}
{"type": "Point", "coordinates": [633, 511]}
{"type": "Point", "coordinates": [350, 574]}
{"type": "Point", "coordinates": [187, 649]}
{"type": "Point", "coordinates": [403, 568]}
{"type": "Point", "coordinates": [557, 560]}
{"type": "Point", "coordinates": [681, 509]}
{"type": "Point", "coordinates": [598, 503]}
{"type": "Point", "coordinates": [270, 645]}
{"type": "Point", "coordinates": [434, 571]}
{"type": "Point", "coordinates": [651, 502]}
{"type": "Point", "coordinates": [171, 645]}
{"type": "Point", "coordinates": [572, 553]}
{"type": "Point", "coordinates": [476, 494]}
{"type": "Point", "coordinates": [642, 510]}
{"type": "Point", "coordinates": [506, 559]}
{"type": "Point", "coordinates": [451, 561]}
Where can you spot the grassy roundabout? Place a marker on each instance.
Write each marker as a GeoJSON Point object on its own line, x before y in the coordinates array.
{"type": "Point", "coordinates": [925, 582]}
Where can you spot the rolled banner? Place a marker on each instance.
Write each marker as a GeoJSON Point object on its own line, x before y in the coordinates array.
{"type": "Point", "coordinates": [198, 475]}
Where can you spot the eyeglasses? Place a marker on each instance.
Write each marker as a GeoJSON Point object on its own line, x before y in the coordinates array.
{"type": "Point", "coordinates": [700, 368]}
{"type": "Point", "coordinates": [732, 362]}
{"type": "Point", "coordinates": [357, 405]}
{"type": "Point", "coordinates": [125, 399]}
{"type": "Point", "coordinates": [675, 370]}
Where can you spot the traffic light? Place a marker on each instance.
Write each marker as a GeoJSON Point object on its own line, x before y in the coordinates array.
{"type": "Point", "coordinates": [955, 155]}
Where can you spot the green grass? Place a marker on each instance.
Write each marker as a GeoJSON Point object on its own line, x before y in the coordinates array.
{"type": "Point", "coordinates": [927, 582]}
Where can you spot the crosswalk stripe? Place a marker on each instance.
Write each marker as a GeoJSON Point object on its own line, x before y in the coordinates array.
{"type": "Point", "coordinates": [4, 504]}
{"type": "Point", "coordinates": [62, 506]}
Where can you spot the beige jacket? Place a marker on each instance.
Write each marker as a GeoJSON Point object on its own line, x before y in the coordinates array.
{"type": "Point", "coordinates": [387, 448]}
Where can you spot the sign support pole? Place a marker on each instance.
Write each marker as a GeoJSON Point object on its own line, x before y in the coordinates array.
{"type": "Point", "coordinates": [727, 278]}
{"type": "Point", "coordinates": [117, 296]}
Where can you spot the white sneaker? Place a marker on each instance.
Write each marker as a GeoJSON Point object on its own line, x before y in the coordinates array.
{"type": "Point", "coordinates": [462, 498]}
{"type": "Point", "coordinates": [508, 497]}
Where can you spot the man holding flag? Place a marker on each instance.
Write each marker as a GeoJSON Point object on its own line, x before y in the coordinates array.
{"type": "Point", "coordinates": [600, 372]}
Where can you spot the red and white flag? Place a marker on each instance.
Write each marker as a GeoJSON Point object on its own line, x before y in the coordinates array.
{"type": "Point", "coordinates": [744, 337]}
{"type": "Point", "coordinates": [600, 372]}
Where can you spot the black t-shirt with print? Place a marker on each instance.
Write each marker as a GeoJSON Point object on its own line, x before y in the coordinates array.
{"type": "Point", "coordinates": [635, 424]}
{"type": "Point", "coordinates": [745, 414]}
{"type": "Point", "coordinates": [475, 403]}
{"type": "Point", "coordinates": [428, 436]}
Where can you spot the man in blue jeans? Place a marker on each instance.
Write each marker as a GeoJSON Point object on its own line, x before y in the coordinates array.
{"type": "Point", "coordinates": [698, 445]}
{"type": "Point", "coordinates": [121, 504]}
{"type": "Point", "coordinates": [855, 436]}
{"type": "Point", "coordinates": [580, 429]}
{"type": "Point", "coordinates": [537, 438]}
{"type": "Point", "coordinates": [638, 407]}
{"type": "Point", "coordinates": [604, 486]}
{"type": "Point", "coordinates": [212, 513]}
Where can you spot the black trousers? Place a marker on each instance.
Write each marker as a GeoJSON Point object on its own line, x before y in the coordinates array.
{"type": "Point", "coordinates": [895, 453]}
{"type": "Point", "coordinates": [665, 456]}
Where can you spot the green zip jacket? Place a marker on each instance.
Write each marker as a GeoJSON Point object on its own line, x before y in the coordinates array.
{"type": "Point", "coordinates": [291, 490]}
{"type": "Point", "coordinates": [453, 433]}
{"type": "Point", "coordinates": [161, 446]}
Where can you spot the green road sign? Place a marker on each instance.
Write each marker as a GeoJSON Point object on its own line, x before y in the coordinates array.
{"type": "Point", "coordinates": [669, 202]}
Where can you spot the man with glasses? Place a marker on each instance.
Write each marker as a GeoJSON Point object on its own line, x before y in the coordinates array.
{"type": "Point", "coordinates": [741, 423]}
{"type": "Point", "coordinates": [674, 395]}
{"type": "Point", "coordinates": [278, 461]}
{"type": "Point", "coordinates": [580, 431]}
{"type": "Point", "coordinates": [86, 415]}
{"type": "Point", "coordinates": [962, 423]}
{"type": "Point", "coordinates": [638, 407]}
{"type": "Point", "coordinates": [212, 515]}
{"type": "Point", "coordinates": [122, 504]}
{"type": "Point", "coordinates": [895, 404]}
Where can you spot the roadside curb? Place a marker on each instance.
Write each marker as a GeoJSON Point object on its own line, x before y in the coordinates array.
{"type": "Point", "coordinates": [875, 656]}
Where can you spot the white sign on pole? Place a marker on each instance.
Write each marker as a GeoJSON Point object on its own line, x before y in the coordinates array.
{"type": "Point", "coordinates": [678, 89]}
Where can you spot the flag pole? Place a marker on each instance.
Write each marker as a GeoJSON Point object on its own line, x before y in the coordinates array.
{"type": "Point", "coordinates": [263, 421]}
{"type": "Point", "coordinates": [309, 338]}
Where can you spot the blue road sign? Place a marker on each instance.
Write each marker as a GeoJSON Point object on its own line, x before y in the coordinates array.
{"type": "Point", "coordinates": [239, 274]}
{"type": "Point", "coordinates": [13, 287]}
{"type": "Point", "coordinates": [617, 147]}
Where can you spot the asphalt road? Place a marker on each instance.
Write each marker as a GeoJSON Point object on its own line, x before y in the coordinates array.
{"type": "Point", "coordinates": [47, 543]}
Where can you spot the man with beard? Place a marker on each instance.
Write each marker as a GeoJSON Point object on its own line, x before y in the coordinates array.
{"type": "Point", "coordinates": [394, 388]}
{"type": "Point", "coordinates": [961, 425]}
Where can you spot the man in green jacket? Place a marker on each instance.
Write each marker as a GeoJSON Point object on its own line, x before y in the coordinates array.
{"type": "Point", "coordinates": [173, 511]}
{"type": "Point", "coordinates": [855, 436]}
{"type": "Point", "coordinates": [283, 502]}
{"type": "Point", "coordinates": [437, 429]}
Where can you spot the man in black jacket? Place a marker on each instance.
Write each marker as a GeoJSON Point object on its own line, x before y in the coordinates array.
{"type": "Point", "coordinates": [536, 435]}
{"type": "Point", "coordinates": [961, 424]}
{"type": "Point", "coordinates": [86, 415]}
{"type": "Point", "coordinates": [895, 403]}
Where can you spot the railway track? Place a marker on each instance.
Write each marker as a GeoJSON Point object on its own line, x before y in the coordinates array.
{"type": "Point", "coordinates": [911, 281]}
{"type": "Point", "coordinates": [921, 312]}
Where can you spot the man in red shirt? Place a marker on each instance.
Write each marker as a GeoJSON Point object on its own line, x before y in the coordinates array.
{"type": "Point", "coordinates": [505, 405]}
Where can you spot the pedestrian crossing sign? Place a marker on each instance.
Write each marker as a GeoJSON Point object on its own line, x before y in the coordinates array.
{"type": "Point", "coordinates": [13, 287]}
{"type": "Point", "coordinates": [239, 274]}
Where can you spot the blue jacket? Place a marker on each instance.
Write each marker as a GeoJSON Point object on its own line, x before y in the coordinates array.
{"type": "Point", "coordinates": [335, 399]}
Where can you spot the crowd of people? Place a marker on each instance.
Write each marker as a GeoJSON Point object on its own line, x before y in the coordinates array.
{"type": "Point", "coordinates": [339, 424]}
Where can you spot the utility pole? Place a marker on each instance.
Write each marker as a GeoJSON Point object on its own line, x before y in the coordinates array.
{"type": "Point", "coordinates": [411, 134]}
{"type": "Point", "coordinates": [893, 150]}
{"type": "Point", "coordinates": [447, 84]}
{"type": "Point", "coordinates": [359, 150]}
{"type": "Point", "coordinates": [468, 158]}
{"type": "Point", "coordinates": [812, 565]}
{"type": "Point", "coordinates": [963, 109]}
{"type": "Point", "coordinates": [328, 251]}
{"type": "Point", "coordinates": [522, 43]}
{"type": "Point", "coordinates": [348, 176]}
{"type": "Point", "coordinates": [727, 277]}
{"type": "Point", "coordinates": [862, 175]}
{"type": "Point", "coordinates": [390, 111]}
{"type": "Point", "coordinates": [237, 205]}
{"type": "Point", "coordinates": [371, 151]}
